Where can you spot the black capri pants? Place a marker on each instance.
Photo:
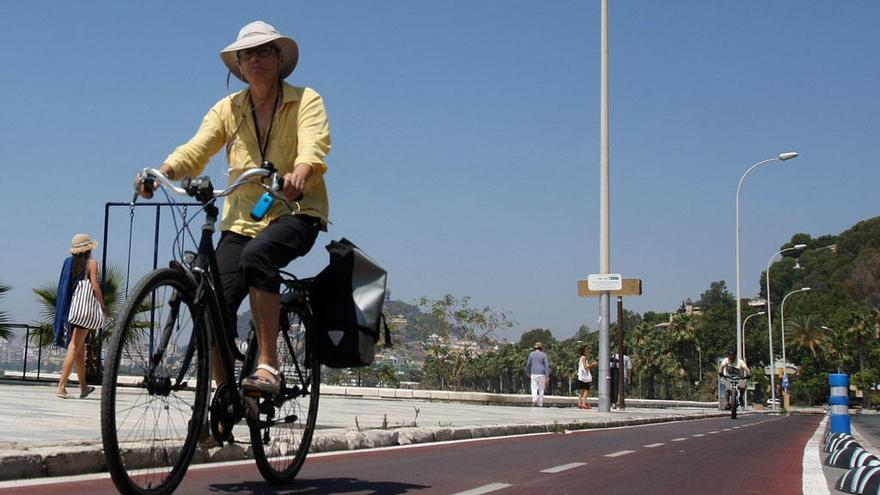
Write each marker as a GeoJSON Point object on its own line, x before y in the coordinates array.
{"type": "Point", "coordinates": [245, 262]}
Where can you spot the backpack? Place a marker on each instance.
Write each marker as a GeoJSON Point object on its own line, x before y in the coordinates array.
{"type": "Point", "coordinates": [347, 300]}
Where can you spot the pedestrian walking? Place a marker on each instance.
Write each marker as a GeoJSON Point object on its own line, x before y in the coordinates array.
{"type": "Point", "coordinates": [79, 309]}
{"type": "Point", "coordinates": [538, 369]}
{"type": "Point", "coordinates": [585, 377]}
{"type": "Point", "coordinates": [615, 376]}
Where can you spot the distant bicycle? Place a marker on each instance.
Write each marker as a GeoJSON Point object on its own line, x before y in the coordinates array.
{"type": "Point", "coordinates": [157, 381]}
{"type": "Point", "coordinates": [732, 374]}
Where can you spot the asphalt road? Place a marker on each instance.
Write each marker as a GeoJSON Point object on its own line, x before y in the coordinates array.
{"type": "Point", "coordinates": [754, 454]}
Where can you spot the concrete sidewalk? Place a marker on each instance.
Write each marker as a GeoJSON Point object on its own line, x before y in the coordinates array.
{"type": "Point", "coordinates": [42, 435]}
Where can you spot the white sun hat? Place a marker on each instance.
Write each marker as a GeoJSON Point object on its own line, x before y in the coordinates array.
{"type": "Point", "coordinates": [259, 33]}
{"type": "Point", "coordinates": [82, 243]}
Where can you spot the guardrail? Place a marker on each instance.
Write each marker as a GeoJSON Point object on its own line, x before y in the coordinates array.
{"type": "Point", "coordinates": [18, 351]}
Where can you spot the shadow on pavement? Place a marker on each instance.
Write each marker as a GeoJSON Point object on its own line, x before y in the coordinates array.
{"type": "Point", "coordinates": [319, 486]}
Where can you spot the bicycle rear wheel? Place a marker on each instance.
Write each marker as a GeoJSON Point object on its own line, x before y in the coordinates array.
{"type": "Point", "coordinates": [282, 432]}
{"type": "Point", "coordinates": [155, 386]}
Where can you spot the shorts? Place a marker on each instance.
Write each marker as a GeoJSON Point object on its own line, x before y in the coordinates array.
{"type": "Point", "coordinates": [583, 385]}
{"type": "Point", "coordinates": [245, 262]}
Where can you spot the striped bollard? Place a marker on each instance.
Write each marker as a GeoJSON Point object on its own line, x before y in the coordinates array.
{"type": "Point", "coordinates": [839, 402]}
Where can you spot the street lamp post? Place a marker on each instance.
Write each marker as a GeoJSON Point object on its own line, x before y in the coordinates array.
{"type": "Point", "coordinates": [781, 157]}
{"type": "Point", "coordinates": [746, 320]}
{"type": "Point", "coordinates": [746, 398]}
{"type": "Point", "coordinates": [770, 325]}
{"type": "Point", "coordinates": [782, 327]}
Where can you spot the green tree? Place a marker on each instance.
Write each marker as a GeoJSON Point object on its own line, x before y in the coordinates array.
{"type": "Point", "coordinates": [542, 335]}
{"type": "Point", "coordinates": [805, 333]}
{"type": "Point", "coordinates": [716, 294]}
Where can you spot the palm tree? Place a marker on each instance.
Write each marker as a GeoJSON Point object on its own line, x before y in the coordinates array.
{"type": "Point", "coordinates": [806, 334]}
{"type": "Point", "coordinates": [859, 332]}
{"type": "Point", "coordinates": [837, 346]}
{"type": "Point", "coordinates": [5, 331]}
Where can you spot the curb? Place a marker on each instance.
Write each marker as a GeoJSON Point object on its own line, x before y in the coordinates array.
{"type": "Point", "coordinates": [88, 457]}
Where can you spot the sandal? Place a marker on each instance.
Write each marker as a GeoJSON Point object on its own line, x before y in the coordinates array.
{"type": "Point", "coordinates": [64, 395]}
{"type": "Point", "coordinates": [86, 392]}
{"type": "Point", "coordinates": [261, 384]}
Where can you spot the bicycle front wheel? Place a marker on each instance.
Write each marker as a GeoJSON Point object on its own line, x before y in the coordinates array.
{"type": "Point", "coordinates": [155, 386]}
{"type": "Point", "coordinates": [281, 433]}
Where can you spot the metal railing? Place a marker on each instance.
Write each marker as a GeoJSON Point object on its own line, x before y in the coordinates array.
{"type": "Point", "coordinates": [94, 347]}
{"type": "Point", "coordinates": [18, 350]}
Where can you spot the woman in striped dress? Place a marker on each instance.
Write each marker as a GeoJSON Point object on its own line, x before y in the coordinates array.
{"type": "Point", "coordinates": [87, 311]}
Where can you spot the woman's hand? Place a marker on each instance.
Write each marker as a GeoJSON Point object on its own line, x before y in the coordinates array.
{"type": "Point", "coordinates": [295, 182]}
{"type": "Point", "coordinates": [147, 192]}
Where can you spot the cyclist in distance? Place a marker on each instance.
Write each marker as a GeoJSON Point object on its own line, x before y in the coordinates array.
{"type": "Point", "coordinates": [744, 372]}
{"type": "Point", "coordinates": [268, 123]}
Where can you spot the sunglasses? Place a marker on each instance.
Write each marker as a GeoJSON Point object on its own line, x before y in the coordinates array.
{"type": "Point", "coordinates": [261, 51]}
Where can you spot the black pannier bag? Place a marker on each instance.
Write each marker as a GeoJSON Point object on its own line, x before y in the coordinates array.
{"type": "Point", "coordinates": [347, 300]}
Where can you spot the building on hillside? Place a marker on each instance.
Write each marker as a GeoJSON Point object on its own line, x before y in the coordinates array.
{"type": "Point", "coordinates": [398, 320]}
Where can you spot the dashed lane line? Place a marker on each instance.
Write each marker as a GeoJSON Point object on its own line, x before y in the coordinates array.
{"type": "Point", "coordinates": [679, 439]}
{"type": "Point", "coordinates": [480, 490]}
{"type": "Point", "coordinates": [619, 453]}
{"type": "Point", "coordinates": [714, 432]}
{"type": "Point", "coordinates": [653, 445]}
{"type": "Point", "coordinates": [564, 467]}
{"type": "Point", "coordinates": [697, 435]}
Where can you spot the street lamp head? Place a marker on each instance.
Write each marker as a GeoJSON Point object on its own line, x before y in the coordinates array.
{"type": "Point", "coordinates": [826, 328]}
{"type": "Point", "coordinates": [804, 289]}
{"type": "Point", "coordinates": [800, 246]}
{"type": "Point", "coordinates": [788, 156]}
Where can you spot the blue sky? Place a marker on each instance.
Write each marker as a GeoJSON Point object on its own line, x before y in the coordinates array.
{"type": "Point", "coordinates": [466, 136]}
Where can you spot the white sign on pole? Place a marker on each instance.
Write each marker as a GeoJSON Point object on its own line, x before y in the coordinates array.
{"type": "Point", "coordinates": [605, 281]}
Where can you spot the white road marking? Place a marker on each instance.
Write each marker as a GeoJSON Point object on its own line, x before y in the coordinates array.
{"type": "Point", "coordinates": [713, 432]}
{"type": "Point", "coordinates": [564, 467]}
{"type": "Point", "coordinates": [814, 478]}
{"type": "Point", "coordinates": [726, 429]}
{"type": "Point", "coordinates": [480, 490]}
{"type": "Point", "coordinates": [698, 435]}
{"type": "Point", "coordinates": [619, 453]}
{"type": "Point", "coordinates": [652, 445]}
{"type": "Point", "coordinates": [679, 439]}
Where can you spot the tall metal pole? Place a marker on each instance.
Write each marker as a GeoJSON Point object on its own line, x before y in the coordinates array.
{"type": "Point", "coordinates": [738, 297]}
{"type": "Point", "coordinates": [782, 157]}
{"type": "Point", "coordinates": [604, 222]}
{"type": "Point", "coordinates": [782, 325]}
{"type": "Point", "coordinates": [770, 338]}
{"type": "Point", "coordinates": [621, 363]}
{"type": "Point", "coordinates": [745, 322]}
{"type": "Point", "coordinates": [770, 327]}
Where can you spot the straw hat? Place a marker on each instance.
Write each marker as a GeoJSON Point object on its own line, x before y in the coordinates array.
{"type": "Point", "coordinates": [539, 345]}
{"type": "Point", "coordinates": [259, 33]}
{"type": "Point", "coordinates": [82, 243]}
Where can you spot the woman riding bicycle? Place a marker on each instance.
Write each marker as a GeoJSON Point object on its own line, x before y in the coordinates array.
{"type": "Point", "coordinates": [269, 123]}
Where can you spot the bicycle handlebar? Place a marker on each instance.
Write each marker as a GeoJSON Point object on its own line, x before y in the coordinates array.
{"type": "Point", "coordinates": [201, 189]}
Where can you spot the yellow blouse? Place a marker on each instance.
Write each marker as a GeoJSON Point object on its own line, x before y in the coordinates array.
{"type": "Point", "coordinates": [300, 133]}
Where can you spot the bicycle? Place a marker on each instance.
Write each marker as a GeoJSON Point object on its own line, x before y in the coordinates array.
{"type": "Point", "coordinates": [732, 374]}
{"type": "Point", "coordinates": [157, 380]}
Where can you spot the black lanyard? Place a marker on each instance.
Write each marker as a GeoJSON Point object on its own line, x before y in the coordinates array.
{"type": "Point", "coordinates": [264, 146]}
